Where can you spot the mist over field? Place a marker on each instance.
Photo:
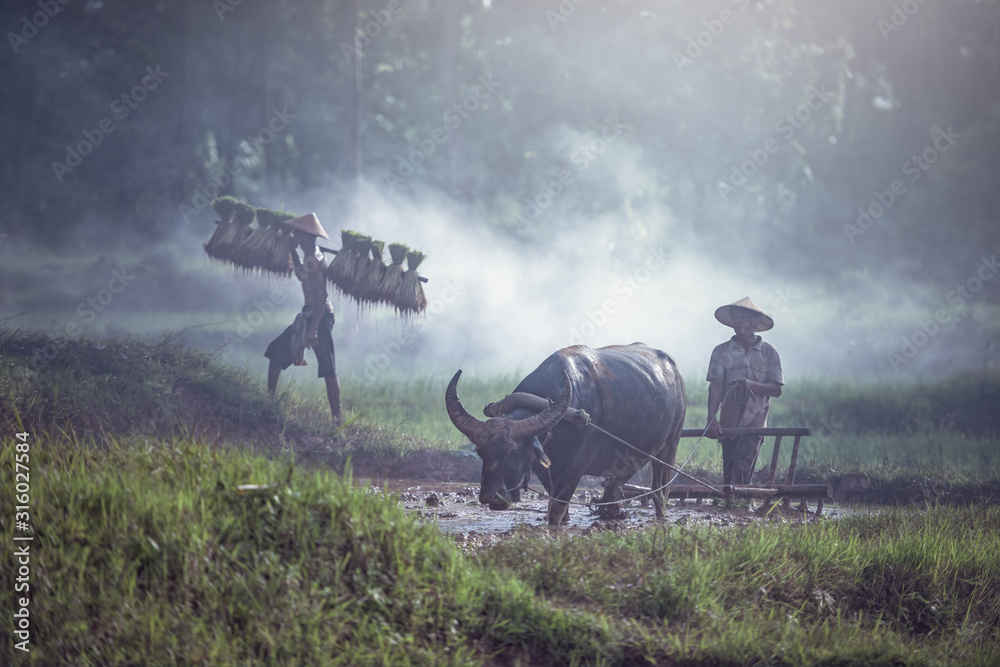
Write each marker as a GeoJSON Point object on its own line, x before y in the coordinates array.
{"type": "Point", "coordinates": [576, 171]}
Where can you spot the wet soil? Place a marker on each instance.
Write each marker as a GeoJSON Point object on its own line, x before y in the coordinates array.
{"type": "Point", "coordinates": [455, 509]}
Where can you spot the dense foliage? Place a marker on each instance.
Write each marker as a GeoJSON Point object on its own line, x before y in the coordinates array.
{"type": "Point", "coordinates": [493, 102]}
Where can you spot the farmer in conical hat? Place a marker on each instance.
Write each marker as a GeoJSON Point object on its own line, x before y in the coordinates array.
{"type": "Point", "coordinates": [313, 326]}
{"type": "Point", "coordinates": [744, 373]}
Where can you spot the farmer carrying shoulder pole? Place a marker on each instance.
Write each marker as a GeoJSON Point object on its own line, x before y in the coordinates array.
{"type": "Point", "coordinates": [313, 326]}
{"type": "Point", "coordinates": [744, 373]}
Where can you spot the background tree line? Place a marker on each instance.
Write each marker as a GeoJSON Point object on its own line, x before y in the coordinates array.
{"type": "Point", "coordinates": [769, 123]}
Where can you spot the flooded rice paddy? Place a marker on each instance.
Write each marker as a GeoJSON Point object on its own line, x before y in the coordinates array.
{"type": "Point", "coordinates": [455, 509]}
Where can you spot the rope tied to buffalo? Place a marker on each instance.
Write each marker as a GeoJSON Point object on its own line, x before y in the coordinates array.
{"type": "Point", "coordinates": [743, 393]}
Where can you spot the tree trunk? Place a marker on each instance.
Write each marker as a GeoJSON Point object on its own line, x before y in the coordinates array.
{"type": "Point", "coordinates": [352, 126]}
{"type": "Point", "coordinates": [452, 28]}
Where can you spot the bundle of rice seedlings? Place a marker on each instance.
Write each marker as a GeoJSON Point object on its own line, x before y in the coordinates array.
{"type": "Point", "coordinates": [252, 247]}
{"type": "Point", "coordinates": [390, 289]}
{"type": "Point", "coordinates": [412, 299]}
{"type": "Point", "coordinates": [283, 245]}
{"type": "Point", "coordinates": [342, 271]}
{"type": "Point", "coordinates": [370, 276]}
{"type": "Point", "coordinates": [224, 207]}
{"type": "Point", "coordinates": [269, 247]}
{"type": "Point", "coordinates": [236, 237]}
{"type": "Point", "coordinates": [231, 231]}
{"type": "Point", "coordinates": [214, 245]}
{"type": "Point", "coordinates": [359, 264]}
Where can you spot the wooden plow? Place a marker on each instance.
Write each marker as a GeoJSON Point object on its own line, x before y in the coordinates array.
{"type": "Point", "coordinates": [769, 491]}
{"type": "Point", "coordinates": [700, 490]}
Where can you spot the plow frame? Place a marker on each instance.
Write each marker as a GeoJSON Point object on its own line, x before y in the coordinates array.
{"type": "Point", "coordinates": [770, 491]}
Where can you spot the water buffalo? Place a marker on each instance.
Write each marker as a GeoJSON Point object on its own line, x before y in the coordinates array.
{"type": "Point", "coordinates": [632, 391]}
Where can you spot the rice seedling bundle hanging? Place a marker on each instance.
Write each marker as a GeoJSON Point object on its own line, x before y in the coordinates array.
{"type": "Point", "coordinates": [283, 245]}
{"type": "Point", "coordinates": [266, 245]}
{"type": "Point", "coordinates": [225, 207]}
{"type": "Point", "coordinates": [343, 271]}
{"type": "Point", "coordinates": [232, 242]}
{"type": "Point", "coordinates": [390, 289]}
{"type": "Point", "coordinates": [250, 250]}
{"type": "Point", "coordinates": [269, 246]}
{"type": "Point", "coordinates": [359, 265]}
{"type": "Point", "coordinates": [412, 298]}
{"type": "Point", "coordinates": [359, 271]}
{"type": "Point", "coordinates": [214, 247]}
{"type": "Point", "coordinates": [370, 278]}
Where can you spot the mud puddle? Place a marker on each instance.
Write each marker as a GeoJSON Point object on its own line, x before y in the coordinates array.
{"type": "Point", "coordinates": [454, 508]}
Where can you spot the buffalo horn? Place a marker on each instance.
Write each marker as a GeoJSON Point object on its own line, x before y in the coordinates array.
{"type": "Point", "coordinates": [460, 417]}
{"type": "Point", "coordinates": [546, 419]}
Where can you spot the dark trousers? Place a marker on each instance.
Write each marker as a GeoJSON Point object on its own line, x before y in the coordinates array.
{"type": "Point", "coordinates": [739, 458]}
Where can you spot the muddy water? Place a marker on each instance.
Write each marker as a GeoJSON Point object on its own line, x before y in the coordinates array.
{"type": "Point", "coordinates": [455, 509]}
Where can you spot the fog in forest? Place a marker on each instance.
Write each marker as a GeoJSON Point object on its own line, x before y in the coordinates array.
{"type": "Point", "coordinates": [576, 172]}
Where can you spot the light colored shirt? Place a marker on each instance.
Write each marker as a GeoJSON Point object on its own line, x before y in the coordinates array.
{"type": "Point", "coordinates": [731, 362]}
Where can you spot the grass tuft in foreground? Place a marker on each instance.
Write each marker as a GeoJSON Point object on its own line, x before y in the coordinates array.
{"type": "Point", "coordinates": [151, 554]}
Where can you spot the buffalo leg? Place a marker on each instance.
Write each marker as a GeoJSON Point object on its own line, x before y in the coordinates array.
{"type": "Point", "coordinates": [562, 493]}
{"type": "Point", "coordinates": [558, 514]}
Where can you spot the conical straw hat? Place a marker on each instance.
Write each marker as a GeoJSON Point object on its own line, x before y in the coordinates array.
{"type": "Point", "coordinates": [308, 223]}
{"type": "Point", "coordinates": [763, 323]}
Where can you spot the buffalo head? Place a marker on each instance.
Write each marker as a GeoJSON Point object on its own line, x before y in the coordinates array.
{"type": "Point", "coordinates": [508, 447]}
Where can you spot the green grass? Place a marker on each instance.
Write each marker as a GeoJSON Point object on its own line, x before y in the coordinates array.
{"type": "Point", "coordinates": [145, 552]}
{"type": "Point", "coordinates": [151, 553]}
{"type": "Point", "coordinates": [416, 404]}
{"type": "Point", "coordinates": [863, 590]}
{"type": "Point", "coordinates": [98, 390]}
{"type": "Point", "coordinates": [962, 403]}
{"type": "Point", "coordinates": [125, 387]}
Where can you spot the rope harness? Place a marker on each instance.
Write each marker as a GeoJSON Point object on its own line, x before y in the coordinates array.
{"type": "Point", "coordinates": [743, 394]}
